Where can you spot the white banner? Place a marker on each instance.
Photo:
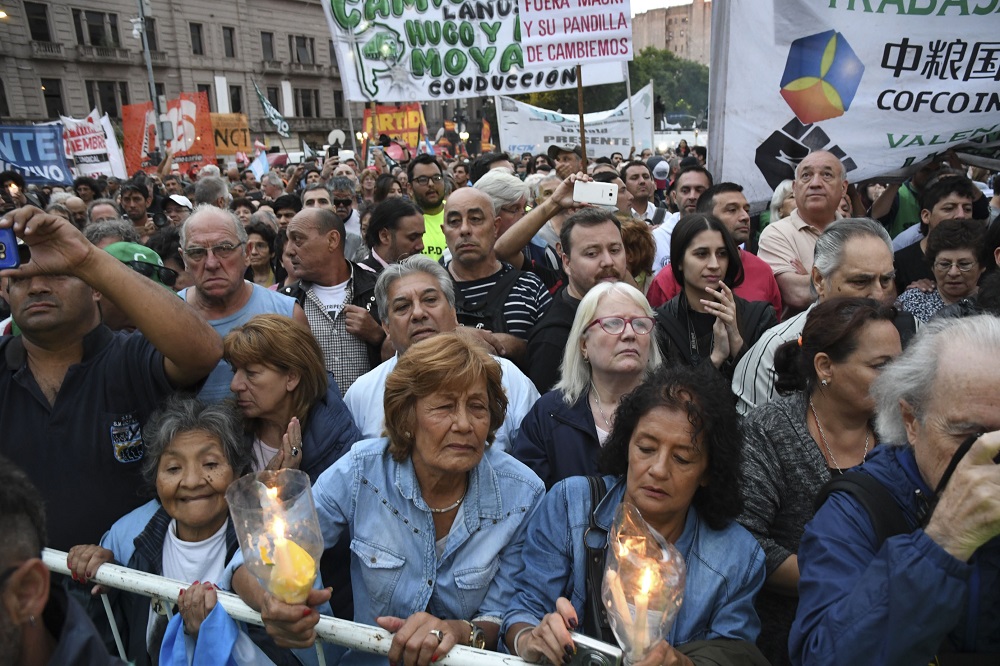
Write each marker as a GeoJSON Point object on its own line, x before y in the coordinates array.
{"type": "Point", "coordinates": [529, 129]}
{"type": "Point", "coordinates": [881, 89]}
{"type": "Point", "coordinates": [421, 50]}
{"type": "Point", "coordinates": [571, 32]}
{"type": "Point", "coordinates": [91, 147]}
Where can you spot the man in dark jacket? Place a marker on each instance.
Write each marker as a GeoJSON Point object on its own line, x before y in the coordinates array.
{"type": "Point", "coordinates": [930, 587]}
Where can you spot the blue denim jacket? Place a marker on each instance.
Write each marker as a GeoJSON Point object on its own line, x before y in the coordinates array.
{"type": "Point", "coordinates": [725, 568]}
{"type": "Point", "coordinates": [394, 566]}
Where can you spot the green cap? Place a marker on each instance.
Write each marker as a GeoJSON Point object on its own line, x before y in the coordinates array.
{"type": "Point", "coordinates": [129, 252]}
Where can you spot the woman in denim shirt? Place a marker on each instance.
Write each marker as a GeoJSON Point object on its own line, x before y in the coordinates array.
{"type": "Point", "coordinates": [674, 453]}
{"type": "Point", "coordinates": [436, 517]}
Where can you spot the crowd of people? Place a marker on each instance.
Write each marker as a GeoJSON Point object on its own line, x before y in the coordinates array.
{"type": "Point", "coordinates": [475, 371]}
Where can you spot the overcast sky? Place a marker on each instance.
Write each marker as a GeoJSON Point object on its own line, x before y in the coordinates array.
{"type": "Point", "coordinates": [639, 6]}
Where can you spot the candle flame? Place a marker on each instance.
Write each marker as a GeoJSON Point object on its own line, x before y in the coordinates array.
{"type": "Point", "coordinates": [278, 528]}
{"type": "Point", "coordinates": [272, 493]}
{"type": "Point", "coordinates": [647, 580]}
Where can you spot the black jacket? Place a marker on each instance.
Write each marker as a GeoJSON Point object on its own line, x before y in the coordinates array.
{"type": "Point", "coordinates": [547, 340]}
{"type": "Point", "coordinates": [752, 319]}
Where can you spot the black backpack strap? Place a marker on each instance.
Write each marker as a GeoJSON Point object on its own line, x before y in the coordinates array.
{"type": "Point", "coordinates": [595, 618]}
{"type": "Point", "coordinates": [886, 516]}
{"type": "Point", "coordinates": [487, 310]}
{"type": "Point", "coordinates": [658, 216]}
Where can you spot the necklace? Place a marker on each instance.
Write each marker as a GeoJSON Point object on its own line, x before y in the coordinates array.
{"type": "Point", "coordinates": [822, 435]}
{"type": "Point", "coordinates": [597, 401]}
{"type": "Point", "coordinates": [450, 507]}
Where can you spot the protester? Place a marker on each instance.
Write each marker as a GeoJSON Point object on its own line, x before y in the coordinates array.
{"type": "Point", "coordinates": [386, 187]}
{"type": "Point", "coordinates": [424, 176]}
{"type": "Point", "coordinates": [640, 250]}
{"type": "Point", "coordinates": [820, 426]}
{"type": "Point", "coordinates": [243, 208]}
{"type": "Point", "coordinates": [395, 231]}
{"type": "Point", "coordinates": [177, 208]}
{"type": "Point", "coordinates": [443, 404]}
{"type": "Point", "coordinates": [923, 587]}
{"type": "Point", "coordinates": [260, 251]}
{"type": "Point", "coordinates": [609, 351]}
{"type": "Point", "coordinates": [674, 453]}
{"type": "Point", "coordinates": [783, 200]}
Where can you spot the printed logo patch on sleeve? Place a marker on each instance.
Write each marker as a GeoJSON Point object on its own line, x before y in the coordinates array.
{"type": "Point", "coordinates": [126, 439]}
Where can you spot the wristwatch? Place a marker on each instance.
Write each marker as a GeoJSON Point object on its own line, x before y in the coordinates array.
{"type": "Point", "coordinates": [477, 637]}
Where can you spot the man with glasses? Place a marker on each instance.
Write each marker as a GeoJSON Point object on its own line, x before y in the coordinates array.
{"type": "Point", "coordinates": [74, 395]}
{"type": "Point", "coordinates": [343, 200]}
{"type": "Point", "coordinates": [427, 185]}
{"type": "Point", "coordinates": [214, 247]}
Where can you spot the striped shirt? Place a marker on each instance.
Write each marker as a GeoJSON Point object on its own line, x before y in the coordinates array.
{"type": "Point", "coordinates": [753, 381]}
{"type": "Point", "coordinates": [526, 302]}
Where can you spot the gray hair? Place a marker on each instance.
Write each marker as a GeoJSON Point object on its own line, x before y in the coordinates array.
{"type": "Point", "coordinates": [503, 188]}
{"type": "Point", "coordinates": [60, 197]}
{"type": "Point", "coordinates": [340, 184]}
{"type": "Point", "coordinates": [180, 415]}
{"type": "Point", "coordinates": [58, 207]}
{"type": "Point", "coordinates": [204, 210]}
{"type": "Point", "coordinates": [417, 263]}
{"type": "Point", "coordinates": [576, 374]}
{"type": "Point", "coordinates": [271, 178]}
{"type": "Point", "coordinates": [781, 192]}
{"type": "Point", "coordinates": [102, 202]}
{"type": "Point", "coordinates": [210, 170]}
{"type": "Point", "coordinates": [265, 217]}
{"type": "Point", "coordinates": [913, 374]}
{"type": "Point", "coordinates": [829, 253]}
{"type": "Point", "coordinates": [209, 190]}
{"type": "Point", "coordinates": [123, 229]}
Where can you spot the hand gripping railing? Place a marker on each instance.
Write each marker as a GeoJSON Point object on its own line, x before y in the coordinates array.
{"type": "Point", "coordinates": [330, 629]}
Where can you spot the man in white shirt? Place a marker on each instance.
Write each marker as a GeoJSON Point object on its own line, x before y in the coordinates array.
{"type": "Point", "coordinates": [690, 183]}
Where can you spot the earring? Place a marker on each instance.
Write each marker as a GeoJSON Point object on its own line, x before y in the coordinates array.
{"type": "Point", "coordinates": [407, 434]}
{"type": "Point", "coordinates": [825, 383]}
{"type": "Point", "coordinates": [31, 620]}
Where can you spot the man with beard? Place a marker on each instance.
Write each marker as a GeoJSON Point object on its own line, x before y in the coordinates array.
{"type": "Point", "coordinates": [592, 252]}
{"type": "Point", "coordinates": [427, 184]}
{"type": "Point", "coordinates": [39, 623]}
{"type": "Point", "coordinates": [395, 231]}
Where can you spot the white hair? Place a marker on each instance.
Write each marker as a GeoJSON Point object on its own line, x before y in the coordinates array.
{"type": "Point", "coordinates": [208, 209]}
{"type": "Point", "coordinates": [576, 374]}
{"type": "Point", "coordinates": [502, 187]}
{"type": "Point", "coordinates": [781, 192]}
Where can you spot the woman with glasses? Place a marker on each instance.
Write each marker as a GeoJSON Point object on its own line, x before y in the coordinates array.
{"type": "Point", "coordinates": [609, 350]}
{"type": "Point", "coordinates": [706, 322]}
{"type": "Point", "coordinates": [953, 252]}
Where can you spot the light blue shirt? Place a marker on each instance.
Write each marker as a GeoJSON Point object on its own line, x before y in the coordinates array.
{"type": "Point", "coordinates": [365, 400]}
{"type": "Point", "coordinates": [725, 568]}
{"type": "Point", "coordinates": [262, 301]}
{"type": "Point", "coordinates": [907, 237]}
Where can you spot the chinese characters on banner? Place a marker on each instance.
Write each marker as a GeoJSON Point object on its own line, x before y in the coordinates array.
{"type": "Point", "coordinates": [409, 51]}
{"type": "Point", "coordinates": [882, 90]}
{"type": "Point", "coordinates": [193, 141]}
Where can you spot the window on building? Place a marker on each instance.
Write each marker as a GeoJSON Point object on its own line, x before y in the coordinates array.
{"type": "Point", "coordinates": [96, 28]}
{"type": "Point", "coordinates": [338, 104]}
{"type": "Point", "coordinates": [107, 96]}
{"type": "Point", "coordinates": [272, 96]}
{"type": "Point", "coordinates": [150, 30]}
{"type": "Point", "coordinates": [197, 45]}
{"type": "Point", "coordinates": [207, 89]}
{"type": "Point", "coordinates": [229, 41]}
{"type": "Point", "coordinates": [4, 107]}
{"type": "Point", "coordinates": [52, 94]}
{"type": "Point", "coordinates": [302, 48]}
{"type": "Point", "coordinates": [306, 103]}
{"type": "Point", "coordinates": [267, 46]}
{"type": "Point", "coordinates": [333, 54]}
{"type": "Point", "coordinates": [236, 99]}
{"type": "Point", "coordinates": [161, 90]}
{"type": "Point", "coordinates": [38, 21]}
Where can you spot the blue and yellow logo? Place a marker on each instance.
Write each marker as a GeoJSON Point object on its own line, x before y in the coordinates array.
{"type": "Point", "coordinates": [822, 75]}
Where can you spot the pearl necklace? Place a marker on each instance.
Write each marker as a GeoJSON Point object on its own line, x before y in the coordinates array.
{"type": "Point", "coordinates": [450, 507]}
{"type": "Point", "coordinates": [822, 435]}
{"type": "Point", "coordinates": [597, 401]}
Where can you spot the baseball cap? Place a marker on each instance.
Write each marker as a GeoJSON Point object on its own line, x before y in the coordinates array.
{"type": "Point", "coordinates": [557, 148]}
{"type": "Point", "coordinates": [659, 169]}
{"type": "Point", "coordinates": [144, 261]}
{"type": "Point", "coordinates": [181, 200]}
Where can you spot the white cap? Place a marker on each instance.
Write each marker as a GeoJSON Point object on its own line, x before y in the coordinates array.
{"type": "Point", "coordinates": [181, 200]}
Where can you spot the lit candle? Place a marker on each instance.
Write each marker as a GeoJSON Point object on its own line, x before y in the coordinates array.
{"type": "Point", "coordinates": [641, 603]}
{"type": "Point", "coordinates": [294, 570]}
{"type": "Point", "coordinates": [618, 603]}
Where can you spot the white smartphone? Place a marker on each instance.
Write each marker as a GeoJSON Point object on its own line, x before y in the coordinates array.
{"type": "Point", "coordinates": [601, 194]}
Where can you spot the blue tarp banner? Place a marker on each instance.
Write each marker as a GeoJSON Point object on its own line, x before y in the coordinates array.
{"type": "Point", "coordinates": [35, 152]}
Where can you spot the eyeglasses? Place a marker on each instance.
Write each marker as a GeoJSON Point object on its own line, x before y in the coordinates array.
{"type": "Point", "coordinates": [512, 209]}
{"type": "Point", "coordinates": [616, 325]}
{"type": "Point", "coordinates": [343, 202]}
{"type": "Point", "coordinates": [963, 266]}
{"type": "Point", "coordinates": [221, 251]}
{"type": "Point", "coordinates": [166, 276]}
{"type": "Point", "coordinates": [423, 180]}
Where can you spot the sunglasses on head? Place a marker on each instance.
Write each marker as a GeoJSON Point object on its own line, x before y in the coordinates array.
{"type": "Point", "coordinates": [166, 276]}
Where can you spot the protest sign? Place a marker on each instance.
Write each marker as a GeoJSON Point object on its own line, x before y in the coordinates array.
{"type": "Point", "coordinates": [528, 129]}
{"type": "Point", "coordinates": [571, 32]}
{"type": "Point", "coordinates": [36, 152]}
{"type": "Point", "coordinates": [90, 148]}
{"type": "Point", "coordinates": [420, 50]}
{"type": "Point", "coordinates": [193, 141]}
{"type": "Point", "coordinates": [882, 86]}
{"type": "Point", "coordinates": [231, 132]}
{"type": "Point", "coordinates": [404, 123]}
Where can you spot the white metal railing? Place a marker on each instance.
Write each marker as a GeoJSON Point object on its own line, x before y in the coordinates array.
{"type": "Point", "coordinates": [330, 629]}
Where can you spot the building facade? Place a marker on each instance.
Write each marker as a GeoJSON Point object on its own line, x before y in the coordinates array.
{"type": "Point", "coordinates": [684, 30]}
{"type": "Point", "coordinates": [70, 56]}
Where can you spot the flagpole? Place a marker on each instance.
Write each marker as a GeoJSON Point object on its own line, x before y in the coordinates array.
{"type": "Point", "coordinates": [628, 93]}
{"type": "Point", "coordinates": [579, 104]}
